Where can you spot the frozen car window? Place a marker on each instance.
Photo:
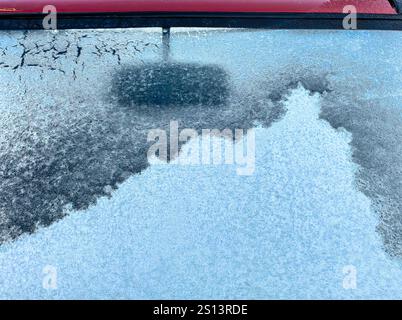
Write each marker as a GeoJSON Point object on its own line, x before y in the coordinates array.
{"type": "Point", "coordinates": [78, 192]}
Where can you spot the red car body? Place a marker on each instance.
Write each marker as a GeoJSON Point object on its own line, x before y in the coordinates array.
{"type": "Point", "coordinates": [235, 6]}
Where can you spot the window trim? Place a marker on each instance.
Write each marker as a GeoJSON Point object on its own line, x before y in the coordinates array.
{"type": "Point", "coordinates": [201, 19]}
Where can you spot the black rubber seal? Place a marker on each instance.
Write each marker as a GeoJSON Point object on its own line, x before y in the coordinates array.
{"type": "Point", "coordinates": [213, 20]}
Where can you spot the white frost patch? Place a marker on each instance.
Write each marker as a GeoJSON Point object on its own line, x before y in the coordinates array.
{"type": "Point", "coordinates": [204, 232]}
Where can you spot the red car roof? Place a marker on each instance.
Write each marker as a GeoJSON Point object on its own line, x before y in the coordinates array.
{"type": "Point", "coordinates": [290, 6]}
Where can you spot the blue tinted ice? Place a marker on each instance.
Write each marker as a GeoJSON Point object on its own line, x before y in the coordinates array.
{"type": "Point", "coordinates": [77, 191]}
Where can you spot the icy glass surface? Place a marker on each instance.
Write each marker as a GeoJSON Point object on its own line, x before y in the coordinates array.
{"type": "Point", "coordinates": [78, 194]}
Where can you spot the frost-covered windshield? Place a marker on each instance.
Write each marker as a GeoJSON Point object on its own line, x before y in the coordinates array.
{"type": "Point", "coordinates": [319, 195]}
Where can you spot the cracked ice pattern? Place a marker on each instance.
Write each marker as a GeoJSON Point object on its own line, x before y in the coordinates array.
{"type": "Point", "coordinates": [71, 142]}
{"type": "Point", "coordinates": [65, 142]}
